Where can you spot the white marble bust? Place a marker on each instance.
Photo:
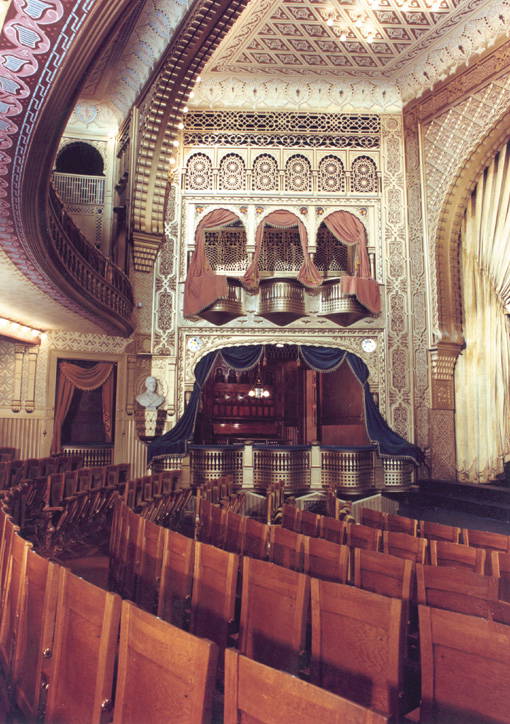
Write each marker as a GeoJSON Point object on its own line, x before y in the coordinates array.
{"type": "Point", "coordinates": [150, 398]}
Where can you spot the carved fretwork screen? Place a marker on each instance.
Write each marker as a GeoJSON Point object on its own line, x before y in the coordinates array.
{"type": "Point", "coordinates": [332, 257]}
{"type": "Point", "coordinates": [281, 251]}
{"type": "Point", "coordinates": [287, 129]}
{"type": "Point", "coordinates": [226, 249]}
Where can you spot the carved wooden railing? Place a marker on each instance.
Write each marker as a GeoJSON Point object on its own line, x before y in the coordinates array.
{"type": "Point", "coordinates": [95, 275]}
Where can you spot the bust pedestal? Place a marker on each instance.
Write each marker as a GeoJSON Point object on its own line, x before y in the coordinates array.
{"type": "Point", "coordinates": [149, 423]}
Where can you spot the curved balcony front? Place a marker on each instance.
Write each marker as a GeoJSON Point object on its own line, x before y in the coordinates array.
{"type": "Point", "coordinates": [281, 301]}
{"type": "Point", "coordinates": [226, 308]}
{"type": "Point", "coordinates": [343, 309]}
{"type": "Point", "coordinates": [91, 277]}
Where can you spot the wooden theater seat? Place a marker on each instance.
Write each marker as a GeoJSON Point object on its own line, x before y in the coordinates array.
{"type": "Point", "coordinates": [290, 517]}
{"type": "Point", "coordinates": [12, 599]}
{"type": "Point", "coordinates": [234, 532]}
{"type": "Point", "coordinates": [401, 524]}
{"type": "Point", "coordinates": [84, 651]}
{"type": "Point", "coordinates": [383, 573]}
{"type": "Point", "coordinates": [404, 545]}
{"type": "Point", "coordinates": [214, 593]}
{"type": "Point", "coordinates": [164, 674]}
{"type": "Point", "coordinates": [362, 536]}
{"type": "Point", "coordinates": [465, 665]}
{"type": "Point", "coordinates": [500, 567]}
{"type": "Point", "coordinates": [439, 531]}
{"type": "Point", "coordinates": [358, 645]}
{"type": "Point", "coordinates": [325, 560]}
{"type": "Point", "coordinates": [274, 610]}
{"type": "Point", "coordinates": [443, 553]}
{"type": "Point", "coordinates": [35, 634]}
{"type": "Point", "coordinates": [176, 577]}
{"type": "Point", "coordinates": [152, 539]}
{"type": "Point", "coordinates": [286, 548]}
{"type": "Point", "coordinates": [333, 529]}
{"type": "Point", "coordinates": [484, 539]}
{"type": "Point", "coordinates": [309, 523]}
{"type": "Point", "coordinates": [373, 518]}
{"type": "Point", "coordinates": [255, 539]}
{"type": "Point", "coordinates": [456, 589]}
{"type": "Point", "coordinates": [257, 693]}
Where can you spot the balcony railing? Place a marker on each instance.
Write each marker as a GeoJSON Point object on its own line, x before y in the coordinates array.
{"type": "Point", "coordinates": [105, 284]}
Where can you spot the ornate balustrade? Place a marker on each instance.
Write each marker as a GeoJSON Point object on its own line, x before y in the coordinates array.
{"type": "Point", "coordinates": [290, 464]}
{"type": "Point", "coordinates": [348, 470]}
{"type": "Point", "coordinates": [213, 462]}
{"type": "Point", "coordinates": [89, 272]}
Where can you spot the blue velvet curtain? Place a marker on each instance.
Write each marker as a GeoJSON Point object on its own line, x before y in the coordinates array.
{"type": "Point", "coordinates": [322, 359]}
{"type": "Point", "coordinates": [175, 440]}
{"type": "Point", "coordinates": [326, 359]}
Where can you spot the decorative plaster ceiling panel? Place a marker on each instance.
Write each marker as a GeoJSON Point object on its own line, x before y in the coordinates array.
{"type": "Point", "coordinates": [292, 38]}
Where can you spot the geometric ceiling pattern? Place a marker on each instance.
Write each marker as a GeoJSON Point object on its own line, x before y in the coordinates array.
{"type": "Point", "coordinates": [345, 38]}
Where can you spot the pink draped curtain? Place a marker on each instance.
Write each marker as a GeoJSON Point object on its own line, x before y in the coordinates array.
{"type": "Point", "coordinates": [308, 275]}
{"type": "Point", "coordinates": [348, 229]}
{"type": "Point", "coordinates": [73, 377]}
{"type": "Point", "coordinates": [203, 286]}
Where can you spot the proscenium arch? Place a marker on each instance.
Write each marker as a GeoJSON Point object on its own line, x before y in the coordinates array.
{"type": "Point", "coordinates": [447, 241]}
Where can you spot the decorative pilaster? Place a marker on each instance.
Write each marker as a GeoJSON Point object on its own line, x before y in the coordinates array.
{"type": "Point", "coordinates": [31, 356]}
{"type": "Point", "coordinates": [19, 355]}
{"type": "Point", "coordinates": [442, 415]}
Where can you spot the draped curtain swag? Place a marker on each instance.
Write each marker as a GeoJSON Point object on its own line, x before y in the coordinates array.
{"type": "Point", "coordinates": [322, 359]}
{"type": "Point", "coordinates": [73, 377]}
{"type": "Point", "coordinates": [176, 439]}
{"type": "Point", "coordinates": [203, 286]}
{"type": "Point", "coordinates": [482, 374]}
{"type": "Point", "coordinates": [308, 275]}
{"type": "Point", "coordinates": [348, 229]}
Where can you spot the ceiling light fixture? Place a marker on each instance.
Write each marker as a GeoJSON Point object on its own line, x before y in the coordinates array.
{"type": "Point", "coordinates": [19, 332]}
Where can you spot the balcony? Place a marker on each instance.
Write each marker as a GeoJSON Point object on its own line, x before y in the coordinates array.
{"type": "Point", "coordinates": [91, 278]}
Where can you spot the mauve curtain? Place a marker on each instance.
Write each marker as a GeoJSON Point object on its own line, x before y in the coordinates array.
{"type": "Point", "coordinates": [74, 377]}
{"type": "Point", "coordinates": [327, 359]}
{"type": "Point", "coordinates": [308, 275]}
{"type": "Point", "coordinates": [203, 286]}
{"type": "Point", "coordinates": [348, 229]}
{"type": "Point", "coordinates": [175, 440]}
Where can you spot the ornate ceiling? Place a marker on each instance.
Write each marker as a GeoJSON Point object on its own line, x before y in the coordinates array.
{"type": "Point", "coordinates": [406, 43]}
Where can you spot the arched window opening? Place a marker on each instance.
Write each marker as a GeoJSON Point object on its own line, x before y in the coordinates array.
{"type": "Point", "coordinates": [225, 248]}
{"type": "Point", "coordinates": [333, 258]}
{"type": "Point", "coordinates": [281, 250]}
{"type": "Point", "coordinates": [80, 158]}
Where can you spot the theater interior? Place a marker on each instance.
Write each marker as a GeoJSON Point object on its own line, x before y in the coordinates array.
{"type": "Point", "coordinates": [254, 361]}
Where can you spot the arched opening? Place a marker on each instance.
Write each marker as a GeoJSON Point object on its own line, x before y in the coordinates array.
{"type": "Point", "coordinates": [80, 158]}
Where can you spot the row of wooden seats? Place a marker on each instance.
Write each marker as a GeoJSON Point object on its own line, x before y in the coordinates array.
{"type": "Point", "coordinates": [271, 627]}
{"type": "Point", "coordinates": [13, 471]}
{"type": "Point", "coordinates": [265, 575]}
{"type": "Point", "coordinates": [73, 652]}
{"type": "Point", "coordinates": [436, 531]}
{"type": "Point", "coordinates": [275, 601]}
{"type": "Point", "coordinates": [51, 509]}
{"type": "Point", "coordinates": [140, 492]}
